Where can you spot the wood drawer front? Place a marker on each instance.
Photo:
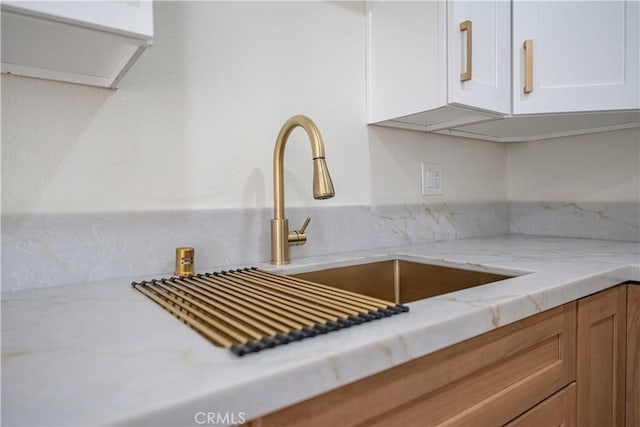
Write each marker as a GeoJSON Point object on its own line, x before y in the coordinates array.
{"type": "Point", "coordinates": [487, 380]}
{"type": "Point", "coordinates": [558, 410]}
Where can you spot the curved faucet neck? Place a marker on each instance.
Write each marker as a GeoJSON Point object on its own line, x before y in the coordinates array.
{"type": "Point", "coordinates": [317, 149]}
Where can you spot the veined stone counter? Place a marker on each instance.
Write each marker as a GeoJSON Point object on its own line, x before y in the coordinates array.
{"type": "Point", "coordinates": [102, 353]}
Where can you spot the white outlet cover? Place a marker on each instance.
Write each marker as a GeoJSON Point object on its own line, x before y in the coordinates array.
{"type": "Point", "coordinates": [432, 179]}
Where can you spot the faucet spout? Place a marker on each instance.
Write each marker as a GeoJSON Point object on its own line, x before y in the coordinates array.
{"type": "Point", "coordinates": [322, 185]}
{"type": "Point", "coordinates": [281, 239]}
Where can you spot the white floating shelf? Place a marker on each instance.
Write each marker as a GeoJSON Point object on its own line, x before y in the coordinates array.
{"type": "Point", "coordinates": [92, 43]}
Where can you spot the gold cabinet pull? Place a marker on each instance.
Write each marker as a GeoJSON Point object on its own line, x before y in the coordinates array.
{"type": "Point", "coordinates": [528, 66]}
{"type": "Point", "coordinates": [466, 26]}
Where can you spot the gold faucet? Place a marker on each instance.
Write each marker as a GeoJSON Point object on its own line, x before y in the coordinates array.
{"type": "Point", "coordinates": [281, 238]}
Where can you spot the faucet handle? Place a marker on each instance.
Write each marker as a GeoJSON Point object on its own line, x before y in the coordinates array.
{"type": "Point", "coordinates": [304, 225]}
{"type": "Point", "coordinates": [297, 237]}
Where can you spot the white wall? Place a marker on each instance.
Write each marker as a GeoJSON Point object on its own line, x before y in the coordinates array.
{"type": "Point", "coordinates": [193, 124]}
{"type": "Point", "coordinates": [597, 167]}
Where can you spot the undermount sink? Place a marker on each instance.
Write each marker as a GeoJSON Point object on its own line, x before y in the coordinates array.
{"type": "Point", "coordinates": [400, 281]}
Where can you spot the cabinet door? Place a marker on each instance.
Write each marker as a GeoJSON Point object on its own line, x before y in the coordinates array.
{"type": "Point", "coordinates": [633, 355]}
{"type": "Point", "coordinates": [487, 42]}
{"type": "Point", "coordinates": [406, 53]}
{"type": "Point", "coordinates": [585, 56]}
{"type": "Point", "coordinates": [601, 358]}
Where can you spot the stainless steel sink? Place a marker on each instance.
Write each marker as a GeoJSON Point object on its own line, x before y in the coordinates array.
{"type": "Point", "coordinates": [400, 281]}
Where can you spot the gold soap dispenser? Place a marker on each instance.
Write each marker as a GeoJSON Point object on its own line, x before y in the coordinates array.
{"type": "Point", "coordinates": [185, 261]}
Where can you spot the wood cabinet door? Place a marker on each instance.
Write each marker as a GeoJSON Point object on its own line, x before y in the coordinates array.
{"type": "Point", "coordinates": [633, 355]}
{"type": "Point", "coordinates": [585, 56]}
{"type": "Point", "coordinates": [601, 358]}
{"type": "Point", "coordinates": [487, 39]}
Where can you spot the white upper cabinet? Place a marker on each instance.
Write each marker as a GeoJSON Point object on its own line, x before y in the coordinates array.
{"type": "Point", "coordinates": [479, 31]}
{"type": "Point", "coordinates": [461, 67]}
{"type": "Point", "coordinates": [417, 52]}
{"type": "Point", "coordinates": [92, 43]}
{"type": "Point", "coordinates": [584, 56]}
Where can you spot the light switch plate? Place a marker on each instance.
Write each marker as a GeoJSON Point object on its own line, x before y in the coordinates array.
{"type": "Point", "coordinates": [432, 179]}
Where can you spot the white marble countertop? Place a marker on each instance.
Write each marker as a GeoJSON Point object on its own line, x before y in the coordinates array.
{"type": "Point", "coordinates": [102, 353]}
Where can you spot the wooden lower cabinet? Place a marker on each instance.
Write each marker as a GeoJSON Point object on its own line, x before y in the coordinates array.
{"type": "Point", "coordinates": [578, 364]}
{"type": "Point", "coordinates": [601, 358]}
{"type": "Point", "coordinates": [633, 355]}
{"type": "Point", "coordinates": [558, 410]}
{"type": "Point", "coordinates": [487, 380]}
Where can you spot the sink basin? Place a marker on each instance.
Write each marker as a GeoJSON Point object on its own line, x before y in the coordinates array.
{"type": "Point", "coordinates": [400, 281]}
